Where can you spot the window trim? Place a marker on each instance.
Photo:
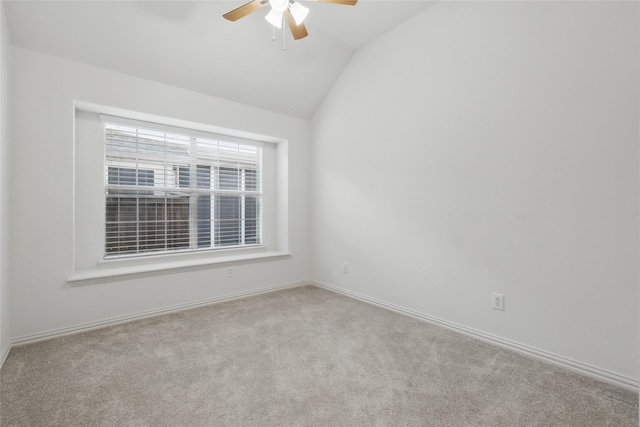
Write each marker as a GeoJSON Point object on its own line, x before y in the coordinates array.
{"type": "Point", "coordinates": [83, 271]}
{"type": "Point", "coordinates": [119, 271]}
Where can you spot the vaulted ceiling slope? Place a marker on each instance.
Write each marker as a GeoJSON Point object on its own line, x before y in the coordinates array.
{"type": "Point", "coordinates": [189, 45]}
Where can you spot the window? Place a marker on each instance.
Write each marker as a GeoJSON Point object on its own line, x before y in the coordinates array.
{"type": "Point", "coordinates": [177, 190]}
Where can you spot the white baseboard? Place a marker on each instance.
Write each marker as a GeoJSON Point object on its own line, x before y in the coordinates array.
{"type": "Point", "coordinates": [4, 356]}
{"type": "Point", "coordinates": [591, 371]}
{"type": "Point", "coordinates": [54, 333]}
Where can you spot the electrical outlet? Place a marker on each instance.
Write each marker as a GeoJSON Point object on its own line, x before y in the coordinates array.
{"type": "Point", "coordinates": [229, 271]}
{"type": "Point", "coordinates": [345, 269]}
{"type": "Point", "coordinates": [497, 301]}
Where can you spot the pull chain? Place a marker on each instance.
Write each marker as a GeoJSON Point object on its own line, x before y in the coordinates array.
{"type": "Point", "coordinates": [273, 37]}
{"type": "Point", "coordinates": [284, 33]}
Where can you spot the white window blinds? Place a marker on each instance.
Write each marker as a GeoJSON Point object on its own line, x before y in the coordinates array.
{"type": "Point", "coordinates": [175, 190]}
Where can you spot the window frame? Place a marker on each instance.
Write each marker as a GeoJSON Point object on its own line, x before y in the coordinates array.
{"type": "Point", "coordinates": [193, 193]}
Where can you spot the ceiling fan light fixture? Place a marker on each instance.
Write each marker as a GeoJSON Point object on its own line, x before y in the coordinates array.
{"type": "Point", "coordinates": [274, 18]}
{"type": "Point", "coordinates": [299, 12]}
{"type": "Point", "coordinates": [295, 14]}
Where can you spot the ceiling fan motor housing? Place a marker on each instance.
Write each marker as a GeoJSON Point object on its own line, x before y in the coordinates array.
{"type": "Point", "coordinates": [279, 5]}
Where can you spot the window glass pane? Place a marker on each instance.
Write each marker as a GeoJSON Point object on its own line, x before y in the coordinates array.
{"type": "Point", "coordinates": [177, 222]}
{"type": "Point", "coordinates": [250, 180]}
{"type": "Point", "coordinates": [121, 225]}
{"type": "Point", "coordinates": [204, 207]}
{"type": "Point", "coordinates": [184, 176]}
{"type": "Point", "coordinates": [227, 220]}
{"type": "Point", "coordinates": [151, 222]}
{"type": "Point", "coordinates": [129, 176]}
{"type": "Point", "coordinates": [147, 223]}
{"type": "Point", "coordinates": [203, 176]}
{"type": "Point", "coordinates": [251, 221]}
{"type": "Point", "coordinates": [228, 178]}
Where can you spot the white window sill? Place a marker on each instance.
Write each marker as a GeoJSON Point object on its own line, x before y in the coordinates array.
{"type": "Point", "coordinates": [108, 274]}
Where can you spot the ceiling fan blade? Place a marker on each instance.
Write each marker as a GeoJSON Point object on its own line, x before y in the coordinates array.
{"type": "Point", "coordinates": [298, 31]}
{"type": "Point", "coordinates": [344, 2]}
{"type": "Point", "coordinates": [244, 10]}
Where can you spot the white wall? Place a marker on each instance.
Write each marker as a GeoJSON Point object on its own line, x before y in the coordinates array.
{"type": "Point", "coordinates": [44, 89]}
{"type": "Point", "coordinates": [491, 147]}
{"type": "Point", "coordinates": [5, 56]}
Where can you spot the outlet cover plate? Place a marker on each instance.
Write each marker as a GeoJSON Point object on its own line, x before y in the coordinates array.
{"type": "Point", "coordinates": [497, 301]}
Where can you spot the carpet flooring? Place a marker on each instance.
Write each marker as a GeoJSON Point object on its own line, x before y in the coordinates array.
{"type": "Point", "coordinates": [302, 356]}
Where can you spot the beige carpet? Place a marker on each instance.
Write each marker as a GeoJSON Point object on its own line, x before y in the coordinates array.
{"type": "Point", "coordinates": [303, 356]}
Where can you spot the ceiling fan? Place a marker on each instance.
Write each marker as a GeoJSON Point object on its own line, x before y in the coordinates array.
{"type": "Point", "coordinates": [292, 10]}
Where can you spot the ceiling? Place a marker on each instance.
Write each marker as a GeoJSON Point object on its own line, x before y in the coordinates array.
{"type": "Point", "coordinates": [188, 44]}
